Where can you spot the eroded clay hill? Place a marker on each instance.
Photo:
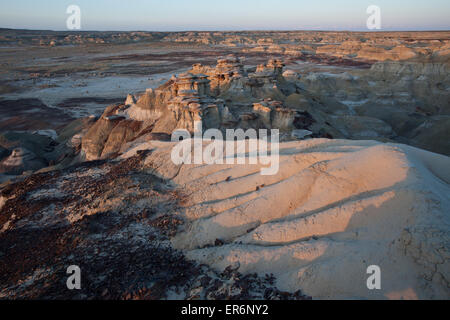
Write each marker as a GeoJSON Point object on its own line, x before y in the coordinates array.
{"type": "Point", "coordinates": [334, 208]}
{"type": "Point", "coordinates": [219, 231]}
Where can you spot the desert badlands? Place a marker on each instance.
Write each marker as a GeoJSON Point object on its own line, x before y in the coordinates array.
{"type": "Point", "coordinates": [88, 177]}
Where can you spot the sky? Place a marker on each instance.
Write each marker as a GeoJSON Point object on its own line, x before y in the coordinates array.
{"type": "Point", "coordinates": [181, 15]}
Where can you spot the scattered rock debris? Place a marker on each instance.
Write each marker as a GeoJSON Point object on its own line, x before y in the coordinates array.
{"type": "Point", "coordinates": [114, 221]}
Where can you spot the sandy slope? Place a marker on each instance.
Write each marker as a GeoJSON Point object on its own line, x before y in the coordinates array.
{"type": "Point", "coordinates": [334, 208]}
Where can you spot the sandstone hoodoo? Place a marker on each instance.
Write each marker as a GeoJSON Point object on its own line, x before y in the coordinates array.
{"type": "Point", "coordinates": [221, 97]}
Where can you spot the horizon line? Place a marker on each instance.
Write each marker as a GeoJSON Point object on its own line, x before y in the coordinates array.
{"type": "Point", "coordinates": [235, 30]}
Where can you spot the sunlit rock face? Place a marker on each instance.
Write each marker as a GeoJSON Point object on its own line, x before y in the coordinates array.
{"type": "Point", "coordinates": [94, 140]}
{"type": "Point", "coordinates": [225, 77]}
{"type": "Point", "coordinates": [151, 105]}
{"type": "Point", "coordinates": [274, 115]}
{"type": "Point", "coordinates": [334, 208]}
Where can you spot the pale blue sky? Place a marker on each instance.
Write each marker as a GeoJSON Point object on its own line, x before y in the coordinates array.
{"type": "Point", "coordinates": [175, 15]}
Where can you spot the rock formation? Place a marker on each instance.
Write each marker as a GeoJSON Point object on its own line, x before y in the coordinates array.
{"type": "Point", "coordinates": [230, 96]}
{"type": "Point", "coordinates": [224, 97]}
{"type": "Point", "coordinates": [334, 208]}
